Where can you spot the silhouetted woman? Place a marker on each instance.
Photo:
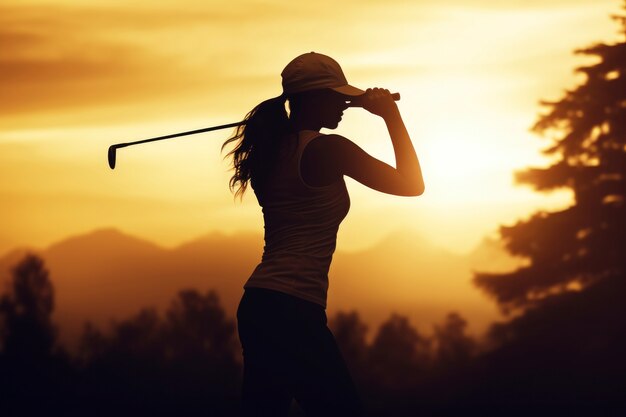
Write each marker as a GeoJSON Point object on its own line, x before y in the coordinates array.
{"type": "Point", "coordinates": [297, 176]}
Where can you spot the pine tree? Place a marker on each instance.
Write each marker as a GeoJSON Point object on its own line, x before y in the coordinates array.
{"type": "Point", "coordinates": [584, 244]}
{"type": "Point", "coordinates": [27, 332]}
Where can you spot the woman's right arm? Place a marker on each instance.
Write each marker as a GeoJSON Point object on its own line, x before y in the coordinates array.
{"type": "Point", "coordinates": [346, 158]}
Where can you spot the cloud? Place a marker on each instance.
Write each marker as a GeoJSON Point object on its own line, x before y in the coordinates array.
{"type": "Point", "coordinates": [59, 58]}
{"type": "Point", "coordinates": [523, 4]}
{"type": "Point", "coordinates": [65, 60]}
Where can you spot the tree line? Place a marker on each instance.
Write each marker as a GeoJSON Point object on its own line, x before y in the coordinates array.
{"type": "Point", "coordinates": [186, 360]}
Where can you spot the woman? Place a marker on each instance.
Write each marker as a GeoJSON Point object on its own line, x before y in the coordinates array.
{"type": "Point", "coordinates": [297, 176]}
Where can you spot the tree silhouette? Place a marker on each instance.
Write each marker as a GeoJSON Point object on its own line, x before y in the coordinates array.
{"type": "Point", "coordinates": [566, 349]}
{"type": "Point", "coordinates": [33, 370]}
{"type": "Point", "coordinates": [27, 331]}
{"type": "Point", "coordinates": [197, 325]}
{"type": "Point", "coordinates": [575, 248]}
{"type": "Point", "coordinates": [350, 333]}
{"type": "Point", "coordinates": [453, 346]}
{"type": "Point", "coordinates": [398, 353]}
{"type": "Point", "coordinates": [186, 362]}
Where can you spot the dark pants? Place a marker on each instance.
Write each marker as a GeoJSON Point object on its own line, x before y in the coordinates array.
{"type": "Point", "coordinates": [289, 352]}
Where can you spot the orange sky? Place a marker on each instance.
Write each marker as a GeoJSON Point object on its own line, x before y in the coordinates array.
{"type": "Point", "coordinates": [78, 76]}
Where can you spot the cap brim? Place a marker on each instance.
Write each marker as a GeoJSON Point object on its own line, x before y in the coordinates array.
{"type": "Point", "coordinates": [349, 90]}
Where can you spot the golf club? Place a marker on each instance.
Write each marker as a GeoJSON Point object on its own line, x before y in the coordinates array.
{"type": "Point", "coordinates": [114, 148]}
{"type": "Point", "coordinates": [112, 154]}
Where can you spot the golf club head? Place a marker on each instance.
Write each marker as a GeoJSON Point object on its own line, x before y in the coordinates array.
{"type": "Point", "coordinates": [111, 156]}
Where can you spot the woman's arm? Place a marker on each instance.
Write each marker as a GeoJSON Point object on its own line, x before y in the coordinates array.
{"type": "Point", "coordinates": [331, 156]}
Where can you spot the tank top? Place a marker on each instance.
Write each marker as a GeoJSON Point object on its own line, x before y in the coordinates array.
{"type": "Point", "coordinates": [301, 224]}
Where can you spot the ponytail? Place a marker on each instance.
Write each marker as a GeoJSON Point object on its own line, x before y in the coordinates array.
{"type": "Point", "coordinates": [257, 145]}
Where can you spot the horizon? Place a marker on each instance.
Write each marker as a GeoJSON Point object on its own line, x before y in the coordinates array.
{"type": "Point", "coordinates": [241, 233]}
{"type": "Point", "coordinates": [422, 292]}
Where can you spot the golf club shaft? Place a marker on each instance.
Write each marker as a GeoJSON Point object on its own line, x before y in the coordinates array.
{"type": "Point", "coordinates": [190, 132]}
{"type": "Point", "coordinates": [112, 154]}
{"type": "Point", "coordinates": [354, 103]}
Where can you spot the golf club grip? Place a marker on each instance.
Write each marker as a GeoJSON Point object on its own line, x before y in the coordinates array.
{"type": "Point", "coordinates": [357, 102]}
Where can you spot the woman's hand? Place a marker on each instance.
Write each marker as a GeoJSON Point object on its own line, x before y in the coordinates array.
{"type": "Point", "coordinates": [378, 101]}
{"type": "Point", "coordinates": [339, 156]}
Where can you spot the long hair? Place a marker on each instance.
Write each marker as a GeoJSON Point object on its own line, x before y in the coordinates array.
{"type": "Point", "coordinates": [258, 142]}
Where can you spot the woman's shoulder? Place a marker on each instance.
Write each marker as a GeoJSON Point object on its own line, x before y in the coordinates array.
{"type": "Point", "coordinates": [323, 139]}
{"type": "Point", "coordinates": [327, 145]}
{"type": "Point", "coordinates": [321, 158]}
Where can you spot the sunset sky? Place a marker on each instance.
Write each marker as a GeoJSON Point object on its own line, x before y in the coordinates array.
{"type": "Point", "coordinates": [78, 76]}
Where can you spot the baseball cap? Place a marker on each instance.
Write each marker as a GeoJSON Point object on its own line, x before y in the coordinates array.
{"type": "Point", "coordinates": [314, 71]}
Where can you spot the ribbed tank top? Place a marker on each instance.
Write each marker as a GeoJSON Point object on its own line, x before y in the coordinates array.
{"type": "Point", "coordinates": [301, 224]}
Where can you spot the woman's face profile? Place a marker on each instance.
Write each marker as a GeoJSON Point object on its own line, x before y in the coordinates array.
{"type": "Point", "coordinates": [331, 108]}
{"type": "Point", "coordinates": [324, 107]}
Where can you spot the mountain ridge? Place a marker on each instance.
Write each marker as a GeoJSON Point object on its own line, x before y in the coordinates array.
{"type": "Point", "coordinates": [108, 274]}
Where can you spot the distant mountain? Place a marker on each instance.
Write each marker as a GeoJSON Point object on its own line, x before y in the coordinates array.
{"type": "Point", "coordinates": [108, 275]}
{"type": "Point", "coordinates": [490, 256]}
{"type": "Point", "coordinates": [406, 274]}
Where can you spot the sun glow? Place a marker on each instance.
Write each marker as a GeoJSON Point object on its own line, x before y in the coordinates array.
{"type": "Point", "coordinates": [470, 75]}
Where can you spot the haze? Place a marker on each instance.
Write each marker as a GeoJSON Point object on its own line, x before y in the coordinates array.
{"type": "Point", "coordinates": [79, 76]}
